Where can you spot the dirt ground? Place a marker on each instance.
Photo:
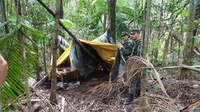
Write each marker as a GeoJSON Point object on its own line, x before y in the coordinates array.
{"type": "Point", "coordinates": [101, 96]}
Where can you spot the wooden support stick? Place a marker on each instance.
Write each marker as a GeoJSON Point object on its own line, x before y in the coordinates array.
{"type": "Point", "coordinates": [194, 68]}
{"type": "Point", "coordinates": [190, 68]}
{"type": "Point", "coordinates": [191, 106]}
{"type": "Point", "coordinates": [63, 104]}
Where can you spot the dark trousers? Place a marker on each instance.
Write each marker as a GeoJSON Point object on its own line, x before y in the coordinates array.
{"type": "Point", "coordinates": [135, 85]}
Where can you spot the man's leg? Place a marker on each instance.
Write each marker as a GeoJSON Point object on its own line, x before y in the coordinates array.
{"type": "Point", "coordinates": [138, 85]}
{"type": "Point", "coordinates": [132, 90]}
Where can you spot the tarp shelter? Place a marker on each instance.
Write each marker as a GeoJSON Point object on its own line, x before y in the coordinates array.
{"type": "Point", "coordinates": [78, 60]}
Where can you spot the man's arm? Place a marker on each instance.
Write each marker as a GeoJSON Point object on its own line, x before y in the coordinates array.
{"type": "Point", "coordinates": [3, 70]}
{"type": "Point", "coordinates": [127, 49]}
{"type": "Point", "coordinates": [139, 49]}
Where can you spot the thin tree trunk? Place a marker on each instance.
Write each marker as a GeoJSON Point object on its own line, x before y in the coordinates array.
{"type": "Point", "coordinates": [38, 68]}
{"type": "Point", "coordinates": [61, 14]}
{"type": "Point", "coordinates": [171, 45]}
{"type": "Point", "coordinates": [11, 5]}
{"type": "Point", "coordinates": [188, 51]}
{"type": "Point", "coordinates": [165, 51]}
{"type": "Point", "coordinates": [44, 55]}
{"type": "Point", "coordinates": [112, 17]}
{"type": "Point", "coordinates": [104, 21]}
{"type": "Point", "coordinates": [23, 51]}
{"type": "Point", "coordinates": [53, 97]}
{"type": "Point", "coordinates": [146, 39]}
{"type": "Point", "coordinates": [4, 17]}
{"type": "Point", "coordinates": [159, 32]}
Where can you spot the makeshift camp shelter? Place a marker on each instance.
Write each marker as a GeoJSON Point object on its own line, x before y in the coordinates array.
{"type": "Point", "coordinates": [75, 61]}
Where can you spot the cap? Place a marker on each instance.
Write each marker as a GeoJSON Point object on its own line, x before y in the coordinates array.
{"type": "Point", "coordinates": [124, 33]}
{"type": "Point", "coordinates": [135, 31]}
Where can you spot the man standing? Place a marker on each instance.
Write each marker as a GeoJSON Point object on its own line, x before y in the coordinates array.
{"type": "Point", "coordinates": [125, 52]}
{"type": "Point", "coordinates": [135, 85]}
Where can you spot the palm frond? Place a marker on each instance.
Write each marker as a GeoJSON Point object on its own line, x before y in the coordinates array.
{"type": "Point", "coordinates": [10, 48]}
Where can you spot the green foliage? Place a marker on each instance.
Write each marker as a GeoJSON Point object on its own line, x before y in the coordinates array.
{"type": "Point", "coordinates": [85, 18]}
{"type": "Point", "coordinates": [156, 88]}
{"type": "Point", "coordinates": [67, 23]}
{"type": "Point", "coordinates": [14, 86]}
{"type": "Point", "coordinates": [10, 49]}
{"type": "Point", "coordinates": [197, 40]}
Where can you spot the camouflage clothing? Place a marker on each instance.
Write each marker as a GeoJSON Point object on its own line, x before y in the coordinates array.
{"type": "Point", "coordinates": [137, 49]}
{"type": "Point", "coordinates": [126, 50]}
{"type": "Point", "coordinates": [135, 84]}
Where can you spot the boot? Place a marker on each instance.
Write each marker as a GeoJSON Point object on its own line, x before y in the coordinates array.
{"type": "Point", "coordinates": [129, 99]}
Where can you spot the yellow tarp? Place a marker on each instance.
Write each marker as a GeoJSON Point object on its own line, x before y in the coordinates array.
{"type": "Point", "coordinates": [64, 56]}
{"type": "Point", "coordinates": [106, 51]}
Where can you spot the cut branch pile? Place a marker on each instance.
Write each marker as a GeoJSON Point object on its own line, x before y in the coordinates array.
{"type": "Point", "coordinates": [109, 97]}
{"type": "Point", "coordinates": [136, 64]}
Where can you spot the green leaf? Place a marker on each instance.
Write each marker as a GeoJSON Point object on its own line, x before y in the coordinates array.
{"type": "Point", "coordinates": [67, 23]}
{"type": "Point", "coordinates": [80, 4]}
{"type": "Point", "coordinates": [12, 17]}
{"type": "Point", "coordinates": [9, 35]}
{"type": "Point", "coordinates": [120, 1]}
{"type": "Point", "coordinates": [31, 29]}
{"type": "Point", "coordinates": [46, 1]}
{"type": "Point", "coordinates": [94, 2]}
{"type": "Point", "coordinates": [185, 13]}
{"type": "Point", "coordinates": [166, 37]}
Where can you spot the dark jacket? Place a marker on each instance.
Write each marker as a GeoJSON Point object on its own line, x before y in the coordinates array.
{"type": "Point", "coordinates": [137, 49]}
{"type": "Point", "coordinates": [126, 50]}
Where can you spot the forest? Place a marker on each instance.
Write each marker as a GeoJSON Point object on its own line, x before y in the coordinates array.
{"type": "Point", "coordinates": [57, 61]}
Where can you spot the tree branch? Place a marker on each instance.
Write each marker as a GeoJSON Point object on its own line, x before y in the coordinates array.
{"type": "Point", "coordinates": [177, 37]}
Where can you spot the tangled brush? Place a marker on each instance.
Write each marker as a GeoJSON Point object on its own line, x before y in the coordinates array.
{"type": "Point", "coordinates": [135, 65]}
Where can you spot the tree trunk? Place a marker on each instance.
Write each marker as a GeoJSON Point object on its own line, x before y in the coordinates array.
{"type": "Point", "coordinates": [23, 51]}
{"type": "Point", "coordinates": [53, 97]}
{"type": "Point", "coordinates": [44, 55]}
{"type": "Point", "coordinates": [165, 51]}
{"type": "Point", "coordinates": [171, 45]}
{"type": "Point", "coordinates": [61, 14]}
{"type": "Point", "coordinates": [112, 17]}
{"type": "Point", "coordinates": [145, 44]}
{"type": "Point", "coordinates": [158, 33]}
{"type": "Point", "coordinates": [104, 21]}
{"type": "Point", "coordinates": [38, 68]}
{"type": "Point", "coordinates": [188, 50]}
{"type": "Point", "coordinates": [4, 17]}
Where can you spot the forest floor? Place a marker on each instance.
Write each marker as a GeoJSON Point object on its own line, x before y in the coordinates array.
{"type": "Point", "coordinates": [101, 96]}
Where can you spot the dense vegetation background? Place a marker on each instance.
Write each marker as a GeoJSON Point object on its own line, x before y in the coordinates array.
{"type": "Point", "coordinates": [174, 33]}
